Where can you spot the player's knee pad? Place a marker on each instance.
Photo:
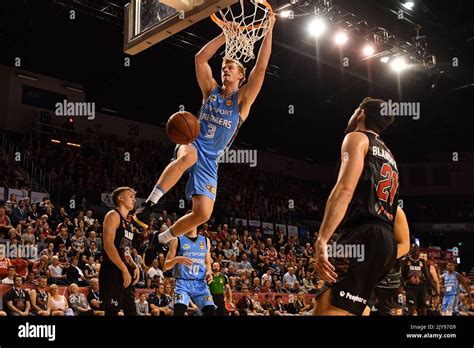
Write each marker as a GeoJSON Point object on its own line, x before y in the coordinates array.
{"type": "Point", "coordinates": [209, 311]}
{"type": "Point", "coordinates": [180, 309]}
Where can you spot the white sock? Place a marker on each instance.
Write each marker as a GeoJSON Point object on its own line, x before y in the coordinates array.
{"type": "Point", "coordinates": [166, 236]}
{"type": "Point", "coordinates": [156, 194]}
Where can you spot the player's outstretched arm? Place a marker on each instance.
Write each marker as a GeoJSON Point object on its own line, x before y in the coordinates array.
{"type": "Point", "coordinates": [203, 69]}
{"type": "Point", "coordinates": [401, 233]}
{"type": "Point", "coordinates": [255, 81]}
{"type": "Point", "coordinates": [171, 258]}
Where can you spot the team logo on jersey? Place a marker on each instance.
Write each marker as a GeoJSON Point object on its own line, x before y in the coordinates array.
{"type": "Point", "coordinates": [212, 98]}
{"type": "Point", "coordinates": [211, 189]}
{"type": "Point", "coordinates": [178, 297]}
{"type": "Point", "coordinates": [186, 246]}
{"type": "Point", "coordinates": [228, 102]}
{"type": "Point", "coordinates": [128, 234]}
{"type": "Point", "coordinates": [208, 298]}
{"type": "Point", "coordinates": [201, 246]}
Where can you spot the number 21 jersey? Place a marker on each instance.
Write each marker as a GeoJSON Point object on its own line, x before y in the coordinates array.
{"type": "Point", "coordinates": [376, 196]}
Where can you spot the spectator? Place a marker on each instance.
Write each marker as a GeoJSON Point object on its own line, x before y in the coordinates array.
{"type": "Point", "coordinates": [93, 238]}
{"type": "Point", "coordinates": [62, 238]}
{"type": "Point", "coordinates": [278, 288]}
{"type": "Point", "coordinates": [280, 309]}
{"type": "Point", "coordinates": [75, 274]}
{"type": "Point", "coordinates": [5, 224]}
{"type": "Point", "coordinates": [19, 213]}
{"type": "Point", "coordinates": [255, 285]}
{"type": "Point", "coordinates": [33, 213]}
{"type": "Point", "coordinates": [62, 256]}
{"type": "Point", "coordinates": [93, 297]}
{"type": "Point", "coordinates": [159, 302]}
{"type": "Point", "coordinates": [245, 263]}
{"type": "Point", "coordinates": [17, 299]}
{"type": "Point", "coordinates": [29, 236]}
{"type": "Point", "coordinates": [78, 301]}
{"type": "Point", "coordinates": [92, 251]}
{"type": "Point", "coordinates": [301, 307]}
{"type": "Point", "coordinates": [20, 263]}
{"type": "Point", "coordinates": [267, 287]}
{"type": "Point", "coordinates": [40, 268]}
{"type": "Point", "coordinates": [10, 278]}
{"type": "Point", "coordinates": [88, 220]}
{"type": "Point", "coordinates": [287, 288]}
{"type": "Point", "coordinates": [78, 245]}
{"type": "Point", "coordinates": [49, 251]}
{"type": "Point", "coordinates": [257, 307]}
{"type": "Point", "coordinates": [40, 303]}
{"type": "Point", "coordinates": [308, 284]}
{"type": "Point", "coordinates": [267, 276]}
{"type": "Point", "coordinates": [142, 306]}
{"type": "Point", "coordinates": [268, 305]}
{"type": "Point", "coordinates": [90, 268]}
{"type": "Point", "coordinates": [56, 273]}
{"type": "Point", "coordinates": [154, 271]}
{"type": "Point", "coordinates": [59, 305]}
{"type": "Point", "coordinates": [244, 305]}
{"type": "Point", "coordinates": [290, 277]}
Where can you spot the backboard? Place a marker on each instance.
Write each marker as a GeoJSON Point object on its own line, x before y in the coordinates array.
{"type": "Point", "coordinates": [148, 22]}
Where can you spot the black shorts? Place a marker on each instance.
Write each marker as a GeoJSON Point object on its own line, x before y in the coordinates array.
{"type": "Point", "coordinates": [113, 295]}
{"type": "Point", "coordinates": [358, 276]}
{"type": "Point", "coordinates": [416, 295]}
{"type": "Point", "coordinates": [387, 302]}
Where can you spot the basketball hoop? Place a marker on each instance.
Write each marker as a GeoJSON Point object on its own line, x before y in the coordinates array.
{"type": "Point", "coordinates": [243, 25]}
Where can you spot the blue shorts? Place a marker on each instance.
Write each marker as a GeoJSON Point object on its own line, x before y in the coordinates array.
{"type": "Point", "coordinates": [449, 303]}
{"type": "Point", "coordinates": [202, 175]}
{"type": "Point", "coordinates": [195, 290]}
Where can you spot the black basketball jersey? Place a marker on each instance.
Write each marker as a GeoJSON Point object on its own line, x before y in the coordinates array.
{"type": "Point", "coordinates": [414, 271]}
{"type": "Point", "coordinates": [375, 198]}
{"type": "Point", "coordinates": [123, 239]}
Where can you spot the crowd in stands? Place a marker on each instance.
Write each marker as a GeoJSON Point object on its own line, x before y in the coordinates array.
{"type": "Point", "coordinates": [63, 247]}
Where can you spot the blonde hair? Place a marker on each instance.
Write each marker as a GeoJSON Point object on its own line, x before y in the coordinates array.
{"type": "Point", "coordinates": [239, 65]}
{"type": "Point", "coordinates": [118, 191]}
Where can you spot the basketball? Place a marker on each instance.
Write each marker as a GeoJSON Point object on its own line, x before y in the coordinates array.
{"type": "Point", "coordinates": [182, 127]}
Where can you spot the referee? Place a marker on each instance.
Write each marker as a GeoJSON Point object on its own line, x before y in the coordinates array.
{"type": "Point", "coordinates": [218, 287]}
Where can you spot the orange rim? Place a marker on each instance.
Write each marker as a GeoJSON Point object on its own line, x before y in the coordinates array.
{"type": "Point", "coordinates": [221, 23]}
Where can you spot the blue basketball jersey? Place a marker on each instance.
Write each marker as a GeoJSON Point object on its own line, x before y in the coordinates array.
{"type": "Point", "coordinates": [196, 251]}
{"type": "Point", "coordinates": [220, 120]}
{"type": "Point", "coordinates": [450, 283]}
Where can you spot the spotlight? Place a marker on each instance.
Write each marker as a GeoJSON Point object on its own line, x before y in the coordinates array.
{"type": "Point", "coordinates": [399, 64]}
{"type": "Point", "coordinates": [286, 13]}
{"type": "Point", "coordinates": [385, 60]}
{"type": "Point", "coordinates": [368, 50]}
{"type": "Point", "coordinates": [317, 27]}
{"type": "Point", "coordinates": [341, 38]}
{"type": "Point", "coordinates": [408, 5]}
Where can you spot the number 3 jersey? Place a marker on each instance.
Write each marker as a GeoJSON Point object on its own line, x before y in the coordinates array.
{"type": "Point", "coordinates": [220, 120]}
{"type": "Point", "coordinates": [195, 249]}
{"type": "Point", "coordinates": [376, 196]}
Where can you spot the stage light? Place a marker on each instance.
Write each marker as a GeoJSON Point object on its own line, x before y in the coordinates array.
{"type": "Point", "coordinates": [368, 50]}
{"type": "Point", "coordinates": [55, 141]}
{"type": "Point", "coordinates": [286, 14]}
{"type": "Point", "coordinates": [385, 60]}
{"type": "Point", "coordinates": [408, 5]}
{"type": "Point", "coordinates": [317, 27]}
{"type": "Point", "coordinates": [341, 38]}
{"type": "Point", "coordinates": [399, 64]}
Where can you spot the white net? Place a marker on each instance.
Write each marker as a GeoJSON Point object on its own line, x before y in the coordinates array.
{"type": "Point", "coordinates": [243, 24]}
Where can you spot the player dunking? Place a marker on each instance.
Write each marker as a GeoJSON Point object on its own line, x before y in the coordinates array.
{"type": "Point", "coordinates": [119, 273]}
{"type": "Point", "coordinates": [364, 204]}
{"type": "Point", "coordinates": [222, 113]}
{"type": "Point", "coordinates": [190, 258]}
